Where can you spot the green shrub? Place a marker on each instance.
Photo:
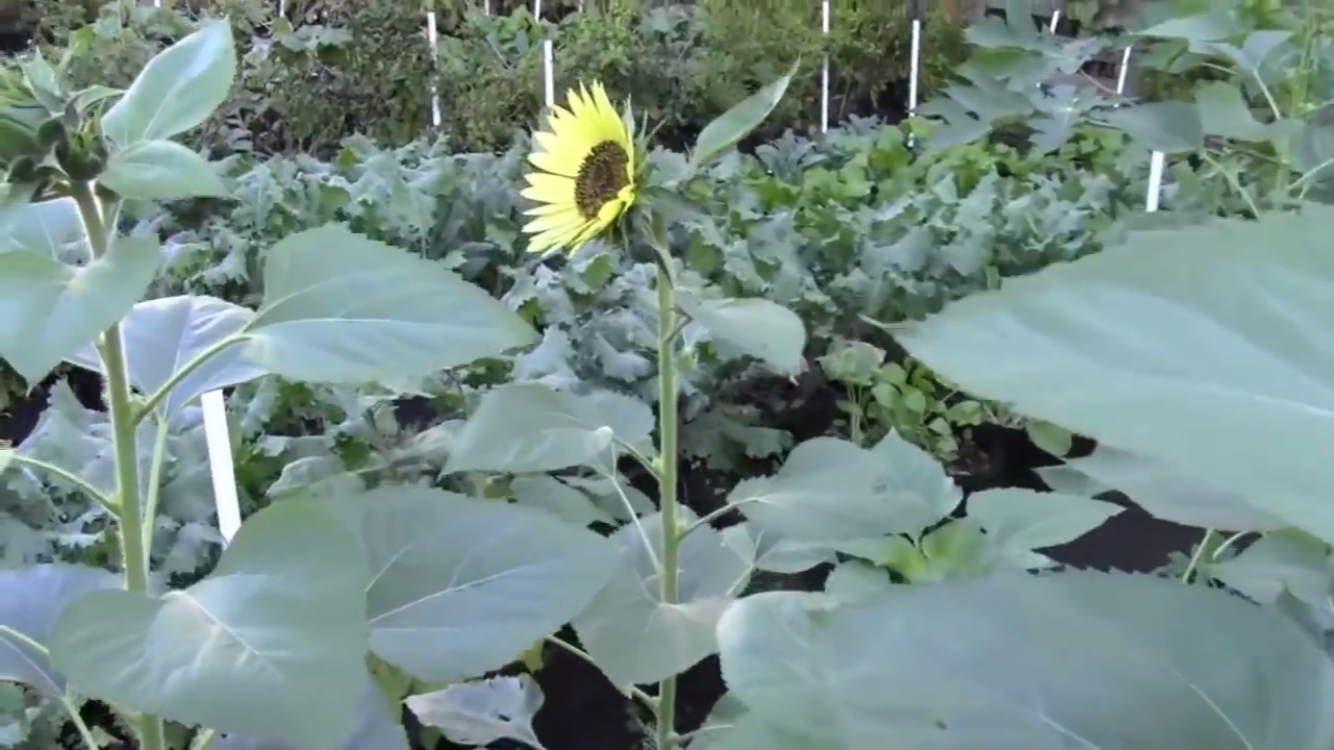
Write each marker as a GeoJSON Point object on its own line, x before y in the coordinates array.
{"type": "Point", "coordinates": [306, 83]}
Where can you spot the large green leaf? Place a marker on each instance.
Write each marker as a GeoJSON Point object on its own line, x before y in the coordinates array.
{"type": "Point", "coordinates": [1208, 349]}
{"type": "Point", "coordinates": [755, 327]}
{"type": "Point", "coordinates": [832, 490]}
{"type": "Point", "coordinates": [161, 170]}
{"type": "Point", "coordinates": [1019, 520]}
{"type": "Point", "coordinates": [1158, 490]}
{"type": "Point", "coordinates": [1078, 659]}
{"type": "Point", "coordinates": [177, 90]}
{"type": "Point", "coordinates": [464, 586]}
{"type": "Point", "coordinates": [736, 123]}
{"type": "Point", "coordinates": [163, 335]}
{"type": "Point", "coordinates": [479, 713]}
{"type": "Point", "coordinates": [342, 308]}
{"type": "Point", "coordinates": [30, 600]}
{"type": "Point", "coordinates": [271, 644]}
{"type": "Point", "coordinates": [528, 427]}
{"type": "Point", "coordinates": [732, 726]}
{"type": "Point", "coordinates": [52, 228]}
{"type": "Point", "coordinates": [378, 727]}
{"type": "Point", "coordinates": [1281, 560]}
{"type": "Point", "coordinates": [633, 635]}
{"type": "Point", "coordinates": [49, 309]}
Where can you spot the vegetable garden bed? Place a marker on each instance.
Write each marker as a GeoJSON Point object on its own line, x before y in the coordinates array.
{"type": "Point", "coordinates": [880, 361]}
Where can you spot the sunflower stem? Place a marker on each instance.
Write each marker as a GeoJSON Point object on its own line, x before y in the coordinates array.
{"type": "Point", "coordinates": [667, 467]}
{"type": "Point", "coordinates": [99, 225]}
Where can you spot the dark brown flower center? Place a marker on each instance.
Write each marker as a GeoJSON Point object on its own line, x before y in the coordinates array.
{"type": "Point", "coordinates": [601, 178]}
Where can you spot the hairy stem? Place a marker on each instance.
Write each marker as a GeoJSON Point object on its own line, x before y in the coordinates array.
{"type": "Point", "coordinates": [667, 456]}
{"type": "Point", "coordinates": [119, 405]}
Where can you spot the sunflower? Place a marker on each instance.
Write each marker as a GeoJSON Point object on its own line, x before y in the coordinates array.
{"type": "Point", "coordinates": [585, 172]}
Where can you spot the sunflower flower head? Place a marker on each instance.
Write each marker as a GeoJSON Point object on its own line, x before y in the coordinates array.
{"type": "Point", "coordinates": [584, 172]}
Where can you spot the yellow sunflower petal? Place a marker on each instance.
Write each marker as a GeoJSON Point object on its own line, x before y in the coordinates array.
{"type": "Point", "coordinates": [549, 188]}
{"type": "Point", "coordinates": [553, 222]}
{"type": "Point", "coordinates": [546, 209]}
{"type": "Point", "coordinates": [556, 162]}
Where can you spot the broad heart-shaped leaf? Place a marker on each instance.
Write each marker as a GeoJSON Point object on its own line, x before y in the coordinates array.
{"type": "Point", "coordinates": [732, 726]}
{"type": "Point", "coordinates": [1206, 348]}
{"type": "Point", "coordinates": [177, 90]}
{"type": "Point", "coordinates": [1223, 111]}
{"type": "Point", "coordinates": [736, 123]}
{"type": "Point", "coordinates": [463, 586]}
{"type": "Point", "coordinates": [271, 644]}
{"type": "Point", "coordinates": [163, 335]}
{"type": "Point", "coordinates": [30, 600]}
{"type": "Point", "coordinates": [476, 714]}
{"type": "Point", "coordinates": [51, 228]}
{"type": "Point", "coordinates": [832, 490]}
{"type": "Point", "coordinates": [1020, 520]}
{"type": "Point", "coordinates": [755, 327]}
{"type": "Point", "coordinates": [342, 308]}
{"type": "Point", "coordinates": [378, 727]}
{"type": "Point", "coordinates": [49, 309]}
{"type": "Point", "coordinates": [161, 170]}
{"type": "Point", "coordinates": [1281, 560]}
{"type": "Point", "coordinates": [631, 633]}
{"type": "Point", "coordinates": [1076, 659]}
{"type": "Point", "coordinates": [529, 427]}
{"type": "Point", "coordinates": [1170, 127]}
{"type": "Point", "coordinates": [1158, 490]}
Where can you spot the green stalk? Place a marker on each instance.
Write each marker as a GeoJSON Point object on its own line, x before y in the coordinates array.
{"type": "Point", "coordinates": [133, 553]}
{"type": "Point", "coordinates": [667, 457]}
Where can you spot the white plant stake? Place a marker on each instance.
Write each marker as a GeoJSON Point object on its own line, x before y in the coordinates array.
{"type": "Point", "coordinates": [915, 50]}
{"type": "Point", "coordinates": [1055, 19]}
{"type": "Point", "coordinates": [1121, 75]}
{"type": "Point", "coordinates": [548, 63]}
{"type": "Point", "coordinates": [282, 8]}
{"type": "Point", "coordinates": [433, 42]}
{"type": "Point", "coordinates": [824, 69]}
{"type": "Point", "coordinates": [221, 466]}
{"type": "Point", "coordinates": [1157, 159]}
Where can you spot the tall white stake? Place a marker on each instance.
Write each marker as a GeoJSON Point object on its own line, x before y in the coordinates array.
{"type": "Point", "coordinates": [824, 69]}
{"type": "Point", "coordinates": [220, 464]}
{"type": "Point", "coordinates": [1055, 19]}
{"type": "Point", "coordinates": [282, 8]}
{"type": "Point", "coordinates": [914, 63]}
{"type": "Point", "coordinates": [433, 43]}
{"type": "Point", "coordinates": [1157, 159]}
{"type": "Point", "coordinates": [548, 74]}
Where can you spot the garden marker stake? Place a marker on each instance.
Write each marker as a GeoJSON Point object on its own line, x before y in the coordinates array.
{"type": "Point", "coordinates": [548, 63]}
{"type": "Point", "coordinates": [824, 69]}
{"type": "Point", "coordinates": [1157, 159]}
{"type": "Point", "coordinates": [221, 466]}
{"type": "Point", "coordinates": [548, 75]}
{"type": "Point", "coordinates": [1156, 164]}
{"type": "Point", "coordinates": [915, 50]}
{"type": "Point", "coordinates": [433, 42]}
{"type": "Point", "coordinates": [1121, 74]}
